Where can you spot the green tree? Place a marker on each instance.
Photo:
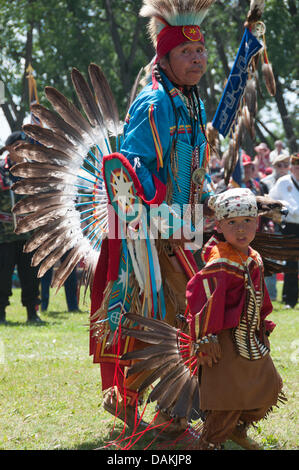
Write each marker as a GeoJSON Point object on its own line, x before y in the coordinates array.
{"type": "Point", "coordinates": [55, 36]}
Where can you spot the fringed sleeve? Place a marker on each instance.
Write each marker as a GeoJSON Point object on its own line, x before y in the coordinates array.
{"type": "Point", "coordinates": [206, 294]}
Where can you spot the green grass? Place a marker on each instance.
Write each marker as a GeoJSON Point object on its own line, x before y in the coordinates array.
{"type": "Point", "coordinates": [50, 394]}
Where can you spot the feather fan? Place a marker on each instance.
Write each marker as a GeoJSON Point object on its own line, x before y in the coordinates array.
{"type": "Point", "coordinates": [39, 186]}
{"type": "Point", "coordinates": [56, 123]}
{"type": "Point", "coordinates": [87, 99]}
{"type": "Point", "coordinates": [41, 235]}
{"type": "Point", "coordinates": [69, 112]}
{"type": "Point", "coordinates": [42, 154]}
{"type": "Point", "coordinates": [65, 203]}
{"type": "Point", "coordinates": [32, 203]}
{"type": "Point", "coordinates": [105, 99]}
{"type": "Point", "coordinates": [171, 363]}
{"type": "Point", "coordinates": [55, 256]}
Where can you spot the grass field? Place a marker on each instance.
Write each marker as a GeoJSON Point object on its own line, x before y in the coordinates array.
{"type": "Point", "coordinates": [50, 395]}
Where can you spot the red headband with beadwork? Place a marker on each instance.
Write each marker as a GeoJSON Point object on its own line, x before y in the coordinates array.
{"type": "Point", "coordinates": [172, 36]}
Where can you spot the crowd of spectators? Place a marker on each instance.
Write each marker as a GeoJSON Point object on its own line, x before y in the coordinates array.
{"type": "Point", "coordinates": [275, 173]}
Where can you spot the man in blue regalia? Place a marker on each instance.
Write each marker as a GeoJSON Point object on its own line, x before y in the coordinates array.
{"type": "Point", "coordinates": [165, 147]}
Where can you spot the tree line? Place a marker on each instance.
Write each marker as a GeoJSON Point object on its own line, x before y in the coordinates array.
{"type": "Point", "coordinates": [55, 36]}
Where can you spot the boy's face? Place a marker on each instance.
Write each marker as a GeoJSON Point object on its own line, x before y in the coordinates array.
{"type": "Point", "coordinates": [238, 231]}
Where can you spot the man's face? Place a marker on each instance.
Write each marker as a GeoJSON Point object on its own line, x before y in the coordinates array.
{"type": "Point", "coordinates": [186, 63]}
{"type": "Point", "coordinates": [282, 167]}
{"type": "Point", "coordinates": [279, 146]}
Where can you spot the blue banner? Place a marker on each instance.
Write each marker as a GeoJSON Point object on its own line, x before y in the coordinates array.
{"type": "Point", "coordinates": [233, 92]}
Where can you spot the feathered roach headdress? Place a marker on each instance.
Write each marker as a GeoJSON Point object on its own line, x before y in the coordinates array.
{"type": "Point", "coordinates": [174, 21]}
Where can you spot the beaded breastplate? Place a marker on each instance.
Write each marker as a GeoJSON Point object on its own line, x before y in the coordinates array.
{"type": "Point", "coordinates": [244, 335]}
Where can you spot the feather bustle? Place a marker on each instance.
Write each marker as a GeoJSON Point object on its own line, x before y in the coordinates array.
{"type": "Point", "coordinates": [41, 217]}
{"type": "Point", "coordinates": [41, 235]}
{"type": "Point", "coordinates": [104, 95]}
{"type": "Point", "coordinates": [36, 186]}
{"type": "Point", "coordinates": [68, 111]}
{"type": "Point", "coordinates": [32, 203]}
{"type": "Point", "coordinates": [149, 364]}
{"type": "Point", "coordinates": [42, 154]}
{"type": "Point", "coordinates": [57, 124]}
{"type": "Point", "coordinates": [68, 265]}
{"type": "Point", "coordinates": [160, 372]}
{"type": "Point", "coordinates": [55, 256]}
{"type": "Point", "coordinates": [87, 99]}
{"type": "Point", "coordinates": [161, 388]}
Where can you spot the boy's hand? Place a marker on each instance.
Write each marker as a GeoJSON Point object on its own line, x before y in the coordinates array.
{"type": "Point", "coordinates": [208, 353]}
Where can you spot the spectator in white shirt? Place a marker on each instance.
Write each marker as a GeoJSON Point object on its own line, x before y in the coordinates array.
{"type": "Point", "coordinates": [281, 167]}
{"type": "Point", "coordinates": [286, 190]}
{"type": "Point", "coordinates": [279, 150]}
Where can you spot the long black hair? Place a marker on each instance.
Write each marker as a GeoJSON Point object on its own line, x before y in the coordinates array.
{"type": "Point", "coordinates": [190, 93]}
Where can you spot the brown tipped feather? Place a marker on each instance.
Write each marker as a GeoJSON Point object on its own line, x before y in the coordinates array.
{"type": "Point", "coordinates": [247, 119]}
{"type": "Point", "coordinates": [155, 325]}
{"type": "Point", "coordinates": [150, 364]}
{"type": "Point", "coordinates": [40, 217]}
{"type": "Point", "coordinates": [54, 257]}
{"type": "Point", "coordinates": [146, 336]}
{"type": "Point", "coordinates": [32, 203]}
{"type": "Point", "coordinates": [160, 372]}
{"type": "Point", "coordinates": [68, 111]}
{"type": "Point", "coordinates": [42, 154]}
{"type": "Point", "coordinates": [67, 266]}
{"type": "Point", "coordinates": [250, 97]}
{"type": "Point", "coordinates": [150, 351]}
{"type": "Point", "coordinates": [36, 186]}
{"type": "Point", "coordinates": [230, 158]}
{"type": "Point", "coordinates": [55, 241]}
{"type": "Point", "coordinates": [87, 99]}
{"type": "Point", "coordinates": [269, 79]}
{"type": "Point", "coordinates": [184, 402]}
{"type": "Point", "coordinates": [161, 388]}
{"type": "Point", "coordinates": [41, 235]}
{"type": "Point", "coordinates": [50, 139]}
{"type": "Point", "coordinates": [39, 170]}
{"type": "Point", "coordinates": [172, 390]}
{"type": "Point", "coordinates": [56, 123]}
{"type": "Point", "coordinates": [104, 95]}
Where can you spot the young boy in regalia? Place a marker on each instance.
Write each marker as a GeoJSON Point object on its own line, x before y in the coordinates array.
{"type": "Point", "coordinates": [229, 304]}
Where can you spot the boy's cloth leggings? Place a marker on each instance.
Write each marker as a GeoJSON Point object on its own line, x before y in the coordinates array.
{"type": "Point", "coordinates": [219, 425]}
